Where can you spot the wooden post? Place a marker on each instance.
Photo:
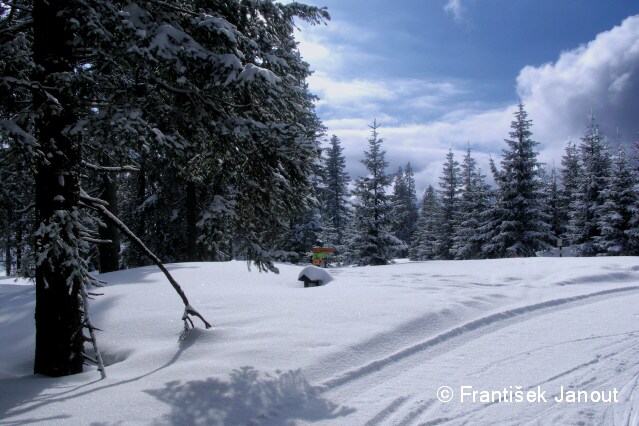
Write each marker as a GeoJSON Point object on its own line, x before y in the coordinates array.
{"type": "Point", "coordinates": [560, 244]}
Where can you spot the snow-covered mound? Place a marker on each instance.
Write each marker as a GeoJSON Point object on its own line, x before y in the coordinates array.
{"type": "Point", "coordinates": [315, 273]}
{"type": "Point", "coordinates": [374, 347]}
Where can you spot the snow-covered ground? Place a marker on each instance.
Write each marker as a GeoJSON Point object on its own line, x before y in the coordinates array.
{"type": "Point", "coordinates": [372, 347]}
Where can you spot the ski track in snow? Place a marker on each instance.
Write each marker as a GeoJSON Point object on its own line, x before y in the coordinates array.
{"type": "Point", "coordinates": [348, 384]}
{"type": "Point", "coordinates": [453, 338]}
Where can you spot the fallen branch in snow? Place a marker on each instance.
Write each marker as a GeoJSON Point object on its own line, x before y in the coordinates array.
{"type": "Point", "coordinates": [101, 207]}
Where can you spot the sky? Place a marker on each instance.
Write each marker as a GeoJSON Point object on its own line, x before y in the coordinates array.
{"type": "Point", "coordinates": [440, 74]}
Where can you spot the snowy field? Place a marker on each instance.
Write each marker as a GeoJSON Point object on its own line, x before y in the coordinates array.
{"type": "Point", "coordinates": [372, 347]}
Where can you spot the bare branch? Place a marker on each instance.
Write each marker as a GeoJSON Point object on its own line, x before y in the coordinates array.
{"type": "Point", "coordinates": [100, 206]}
{"type": "Point", "coordinates": [92, 201]}
{"type": "Point", "coordinates": [25, 209]}
{"type": "Point", "coordinates": [87, 322]}
{"type": "Point", "coordinates": [96, 240]}
{"type": "Point", "coordinates": [110, 169]}
{"type": "Point", "coordinates": [175, 8]}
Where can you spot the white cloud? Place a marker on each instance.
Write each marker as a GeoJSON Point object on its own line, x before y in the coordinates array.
{"type": "Point", "coordinates": [324, 46]}
{"type": "Point", "coordinates": [602, 76]}
{"type": "Point", "coordinates": [456, 8]}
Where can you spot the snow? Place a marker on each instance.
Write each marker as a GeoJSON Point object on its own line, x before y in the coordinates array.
{"type": "Point", "coordinates": [373, 347]}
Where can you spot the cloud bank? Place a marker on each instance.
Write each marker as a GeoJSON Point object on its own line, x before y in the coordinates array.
{"type": "Point", "coordinates": [602, 76]}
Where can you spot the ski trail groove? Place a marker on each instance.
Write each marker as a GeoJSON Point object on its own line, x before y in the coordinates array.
{"type": "Point", "coordinates": [456, 332]}
{"type": "Point", "coordinates": [386, 412]}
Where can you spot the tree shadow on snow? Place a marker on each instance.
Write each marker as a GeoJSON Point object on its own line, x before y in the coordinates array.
{"type": "Point", "coordinates": [22, 395]}
{"type": "Point", "coordinates": [248, 397]}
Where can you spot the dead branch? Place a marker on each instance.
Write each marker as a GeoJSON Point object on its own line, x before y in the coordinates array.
{"type": "Point", "coordinates": [110, 168]}
{"type": "Point", "coordinates": [101, 207]}
{"type": "Point", "coordinates": [89, 326]}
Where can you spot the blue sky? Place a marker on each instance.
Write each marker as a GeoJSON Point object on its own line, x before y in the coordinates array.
{"type": "Point", "coordinates": [447, 73]}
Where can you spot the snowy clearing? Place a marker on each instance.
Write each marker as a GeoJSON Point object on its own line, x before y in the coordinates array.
{"type": "Point", "coordinates": [372, 347]}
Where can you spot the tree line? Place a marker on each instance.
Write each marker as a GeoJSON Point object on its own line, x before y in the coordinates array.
{"type": "Point", "coordinates": [590, 204]}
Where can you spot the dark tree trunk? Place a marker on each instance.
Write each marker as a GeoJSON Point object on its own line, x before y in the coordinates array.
{"type": "Point", "coordinates": [58, 316]}
{"type": "Point", "coordinates": [19, 236]}
{"type": "Point", "coordinates": [134, 258]}
{"type": "Point", "coordinates": [141, 197]}
{"type": "Point", "coordinates": [8, 260]}
{"type": "Point", "coordinates": [7, 256]}
{"type": "Point", "coordinates": [110, 253]}
{"type": "Point", "coordinates": [191, 222]}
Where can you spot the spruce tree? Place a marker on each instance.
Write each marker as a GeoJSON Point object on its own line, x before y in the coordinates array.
{"type": "Point", "coordinates": [570, 172]}
{"type": "Point", "coordinates": [450, 184]}
{"type": "Point", "coordinates": [523, 227]}
{"type": "Point", "coordinates": [404, 212]}
{"type": "Point", "coordinates": [619, 208]}
{"type": "Point", "coordinates": [474, 201]}
{"type": "Point", "coordinates": [334, 197]}
{"type": "Point", "coordinates": [372, 243]}
{"type": "Point", "coordinates": [589, 197]}
{"type": "Point", "coordinates": [555, 210]}
{"type": "Point", "coordinates": [424, 244]}
{"type": "Point", "coordinates": [411, 195]}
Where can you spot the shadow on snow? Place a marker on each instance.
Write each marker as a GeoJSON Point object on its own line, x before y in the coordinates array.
{"type": "Point", "coordinates": [247, 397]}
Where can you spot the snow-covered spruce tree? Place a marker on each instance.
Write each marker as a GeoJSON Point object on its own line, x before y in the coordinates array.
{"type": "Point", "coordinates": [371, 242]}
{"type": "Point", "coordinates": [474, 201]}
{"type": "Point", "coordinates": [424, 244]}
{"type": "Point", "coordinates": [490, 222]}
{"type": "Point", "coordinates": [334, 198]}
{"type": "Point", "coordinates": [84, 79]}
{"type": "Point", "coordinates": [616, 220]}
{"type": "Point", "coordinates": [411, 194]}
{"type": "Point", "coordinates": [404, 203]}
{"type": "Point", "coordinates": [450, 184]}
{"type": "Point", "coordinates": [589, 197]}
{"type": "Point", "coordinates": [554, 203]}
{"type": "Point", "coordinates": [484, 202]}
{"type": "Point", "coordinates": [570, 172]}
{"type": "Point", "coordinates": [523, 228]}
{"type": "Point", "coordinates": [633, 232]}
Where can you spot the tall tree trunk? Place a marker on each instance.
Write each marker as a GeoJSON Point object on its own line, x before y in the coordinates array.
{"type": "Point", "coordinates": [110, 253]}
{"type": "Point", "coordinates": [7, 255]}
{"type": "Point", "coordinates": [58, 316]}
{"type": "Point", "coordinates": [19, 236]}
{"type": "Point", "coordinates": [139, 227]}
{"type": "Point", "coordinates": [8, 261]}
{"type": "Point", "coordinates": [191, 222]}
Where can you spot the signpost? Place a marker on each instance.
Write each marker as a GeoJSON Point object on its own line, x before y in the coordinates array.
{"type": "Point", "coordinates": [560, 244]}
{"type": "Point", "coordinates": [320, 254]}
